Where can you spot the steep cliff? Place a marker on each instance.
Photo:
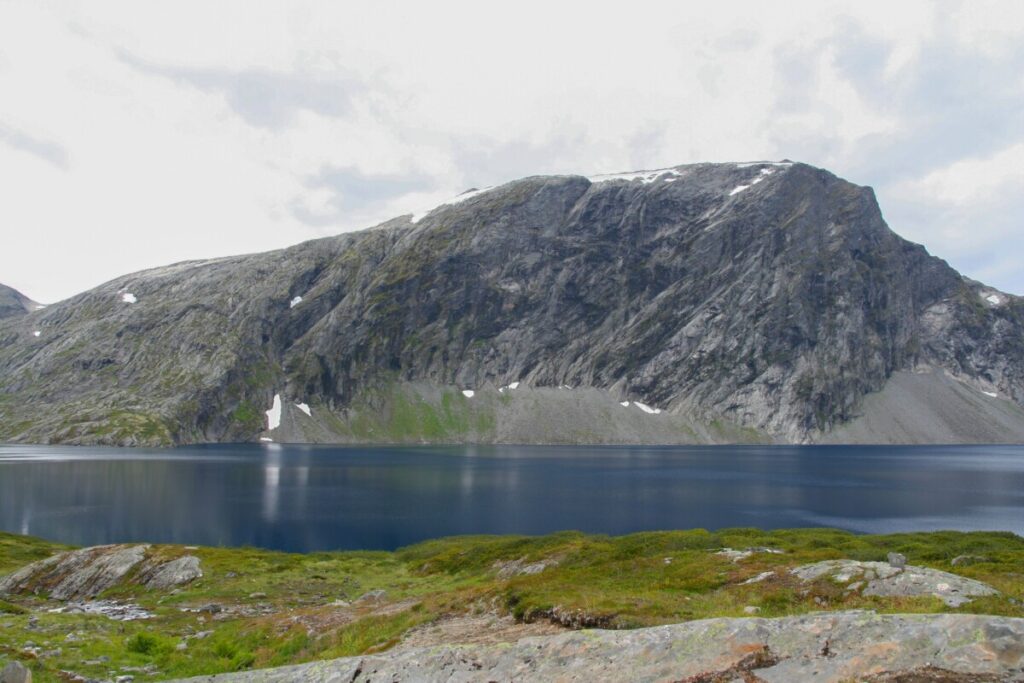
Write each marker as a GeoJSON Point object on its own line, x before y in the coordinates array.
{"type": "Point", "coordinates": [719, 302]}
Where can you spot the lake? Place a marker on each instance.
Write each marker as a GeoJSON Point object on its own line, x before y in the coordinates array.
{"type": "Point", "coordinates": [301, 498]}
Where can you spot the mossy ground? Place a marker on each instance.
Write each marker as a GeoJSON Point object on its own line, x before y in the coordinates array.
{"type": "Point", "coordinates": [277, 607]}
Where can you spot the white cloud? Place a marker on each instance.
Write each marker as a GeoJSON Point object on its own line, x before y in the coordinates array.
{"type": "Point", "coordinates": [138, 134]}
{"type": "Point", "coordinates": [971, 181]}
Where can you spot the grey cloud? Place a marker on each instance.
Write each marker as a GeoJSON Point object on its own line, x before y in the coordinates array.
{"type": "Point", "coordinates": [484, 162]}
{"type": "Point", "coordinates": [739, 40]}
{"type": "Point", "coordinates": [46, 150]}
{"type": "Point", "coordinates": [267, 99]}
{"type": "Point", "coordinates": [954, 104]}
{"type": "Point", "coordinates": [353, 191]}
{"type": "Point", "coordinates": [949, 103]}
{"type": "Point", "coordinates": [998, 219]}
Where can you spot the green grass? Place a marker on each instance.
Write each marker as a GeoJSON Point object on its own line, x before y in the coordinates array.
{"type": "Point", "coordinates": [397, 413]}
{"type": "Point", "coordinates": [278, 606]}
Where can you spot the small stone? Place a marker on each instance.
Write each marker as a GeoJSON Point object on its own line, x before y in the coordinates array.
{"type": "Point", "coordinates": [751, 609]}
{"type": "Point", "coordinates": [231, 575]}
{"type": "Point", "coordinates": [211, 608]}
{"type": "Point", "coordinates": [15, 672]}
{"type": "Point", "coordinates": [372, 596]}
{"type": "Point", "coordinates": [182, 646]}
{"type": "Point", "coordinates": [897, 560]}
{"type": "Point", "coordinates": [964, 560]}
{"type": "Point", "coordinates": [124, 679]}
{"type": "Point", "coordinates": [257, 596]}
{"type": "Point", "coordinates": [759, 578]}
{"type": "Point", "coordinates": [668, 560]}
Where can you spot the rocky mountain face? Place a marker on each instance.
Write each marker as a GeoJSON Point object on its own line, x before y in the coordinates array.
{"type": "Point", "coordinates": [702, 303]}
{"type": "Point", "coordinates": [13, 303]}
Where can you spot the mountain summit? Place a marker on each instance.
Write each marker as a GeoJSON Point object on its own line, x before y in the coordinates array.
{"type": "Point", "coordinates": [763, 301]}
{"type": "Point", "coordinates": [13, 303]}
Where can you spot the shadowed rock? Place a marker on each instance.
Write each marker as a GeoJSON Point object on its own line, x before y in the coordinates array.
{"type": "Point", "coordinates": [15, 304]}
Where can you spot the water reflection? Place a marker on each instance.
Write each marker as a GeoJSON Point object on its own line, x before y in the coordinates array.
{"type": "Point", "coordinates": [306, 498]}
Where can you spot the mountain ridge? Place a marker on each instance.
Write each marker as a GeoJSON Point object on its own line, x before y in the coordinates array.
{"type": "Point", "coordinates": [760, 301]}
{"type": "Point", "coordinates": [13, 303]}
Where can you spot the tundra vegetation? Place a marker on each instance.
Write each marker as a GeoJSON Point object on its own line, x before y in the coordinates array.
{"type": "Point", "coordinates": [259, 608]}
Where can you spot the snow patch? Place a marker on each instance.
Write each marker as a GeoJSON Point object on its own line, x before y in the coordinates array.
{"type": "Point", "coordinates": [39, 307]}
{"type": "Point", "coordinates": [266, 438]}
{"type": "Point", "coordinates": [128, 298]}
{"type": "Point", "coordinates": [991, 394]}
{"type": "Point", "coordinates": [507, 387]}
{"type": "Point", "coordinates": [274, 414]}
{"type": "Point", "coordinates": [36, 333]}
{"type": "Point", "coordinates": [624, 404]}
{"type": "Point", "coordinates": [765, 172]}
{"type": "Point", "coordinates": [468, 194]}
{"type": "Point", "coordinates": [295, 302]}
{"type": "Point", "coordinates": [646, 408]}
{"type": "Point", "coordinates": [748, 164]}
{"type": "Point", "coordinates": [992, 298]}
{"type": "Point", "coordinates": [304, 408]}
{"type": "Point", "coordinates": [646, 177]}
{"type": "Point", "coordinates": [468, 393]}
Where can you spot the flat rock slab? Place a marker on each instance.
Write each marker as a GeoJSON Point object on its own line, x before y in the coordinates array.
{"type": "Point", "coordinates": [824, 647]}
{"type": "Point", "coordinates": [86, 573]}
{"type": "Point", "coordinates": [81, 573]}
{"type": "Point", "coordinates": [884, 579]}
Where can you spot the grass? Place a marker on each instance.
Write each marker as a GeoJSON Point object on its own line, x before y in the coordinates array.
{"type": "Point", "coordinates": [282, 608]}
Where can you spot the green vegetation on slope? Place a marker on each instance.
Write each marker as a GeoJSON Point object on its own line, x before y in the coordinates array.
{"type": "Point", "coordinates": [256, 608]}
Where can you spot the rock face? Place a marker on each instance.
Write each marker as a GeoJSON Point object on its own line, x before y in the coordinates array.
{"type": "Point", "coordinates": [14, 304]}
{"type": "Point", "coordinates": [183, 570]}
{"type": "Point", "coordinates": [834, 647]}
{"type": "Point", "coordinates": [896, 579]}
{"type": "Point", "coordinates": [85, 573]}
{"type": "Point", "coordinates": [703, 303]}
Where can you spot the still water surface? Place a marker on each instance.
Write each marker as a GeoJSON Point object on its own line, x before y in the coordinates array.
{"type": "Point", "coordinates": [304, 498]}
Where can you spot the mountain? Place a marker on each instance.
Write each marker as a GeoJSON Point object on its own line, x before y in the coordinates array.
{"type": "Point", "coordinates": [704, 303]}
{"type": "Point", "coordinates": [13, 303]}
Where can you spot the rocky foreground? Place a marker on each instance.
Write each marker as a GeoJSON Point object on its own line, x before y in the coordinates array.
{"type": "Point", "coordinates": [741, 604]}
{"type": "Point", "coordinates": [829, 648]}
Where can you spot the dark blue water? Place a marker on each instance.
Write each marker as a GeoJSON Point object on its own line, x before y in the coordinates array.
{"type": "Point", "coordinates": [315, 497]}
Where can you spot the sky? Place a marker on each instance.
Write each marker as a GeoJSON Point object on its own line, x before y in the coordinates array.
{"type": "Point", "coordinates": [136, 134]}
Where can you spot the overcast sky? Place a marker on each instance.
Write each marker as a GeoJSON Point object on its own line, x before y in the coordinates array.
{"type": "Point", "coordinates": [134, 134]}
